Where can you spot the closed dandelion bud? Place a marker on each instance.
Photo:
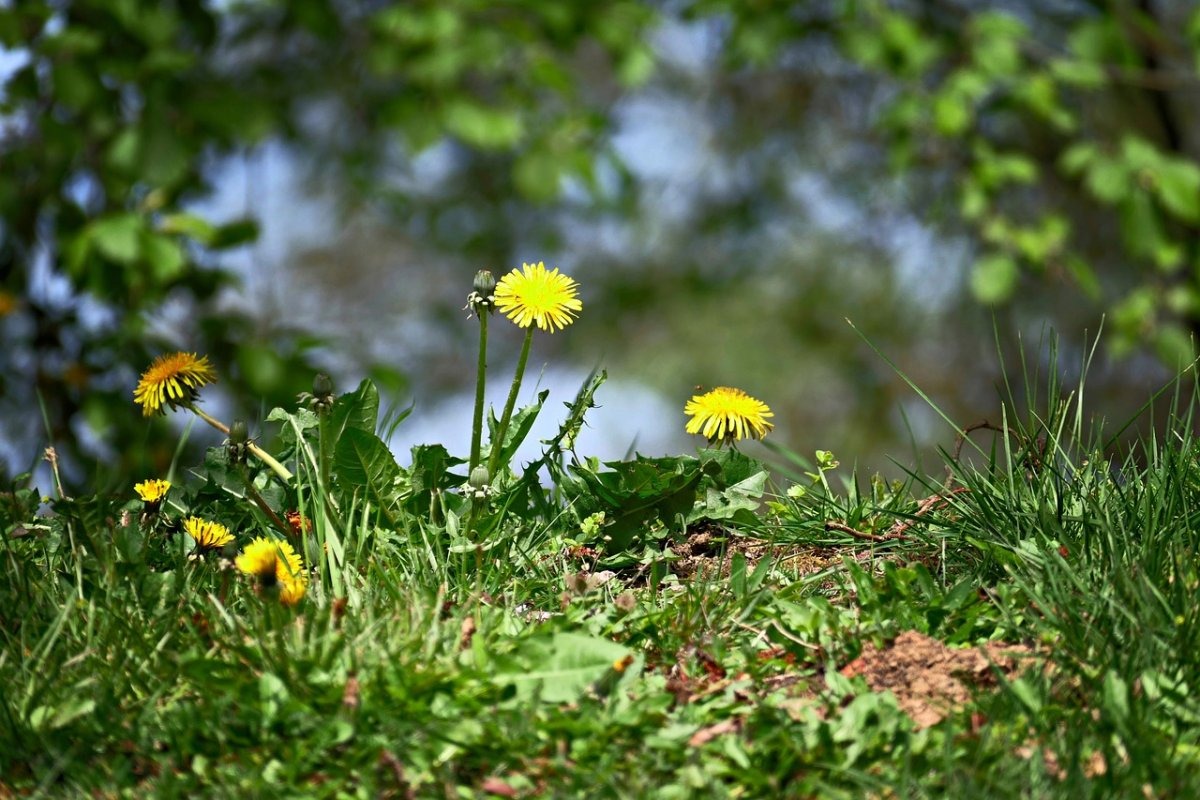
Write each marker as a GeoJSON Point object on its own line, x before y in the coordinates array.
{"type": "Point", "coordinates": [482, 298]}
{"type": "Point", "coordinates": [239, 437]}
{"type": "Point", "coordinates": [485, 284]}
{"type": "Point", "coordinates": [479, 482]}
{"type": "Point", "coordinates": [479, 477]}
{"type": "Point", "coordinates": [321, 399]}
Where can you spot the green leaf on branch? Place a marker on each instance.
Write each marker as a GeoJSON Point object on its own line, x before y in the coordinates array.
{"type": "Point", "coordinates": [994, 278]}
{"type": "Point", "coordinates": [483, 126]}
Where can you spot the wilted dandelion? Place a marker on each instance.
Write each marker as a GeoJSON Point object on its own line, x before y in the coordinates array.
{"type": "Point", "coordinates": [172, 380]}
{"type": "Point", "coordinates": [208, 535]}
{"type": "Point", "coordinates": [728, 415]}
{"type": "Point", "coordinates": [534, 294]}
{"type": "Point", "coordinates": [276, 565]}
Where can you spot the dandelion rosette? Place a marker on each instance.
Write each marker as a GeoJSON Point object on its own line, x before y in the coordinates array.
{"type": "Point", "coordinates": [275, 564]}
{"type": "Point", "coordinates": [534, 294]}
{"type": "Point", "coordinates": [728, 415]}
{"type": "Point", "coordinates": [208, 535]}
{"type": "Point", "coordinates": [172, 380]}
{"type": "Point", "coordinates": [152, 491]}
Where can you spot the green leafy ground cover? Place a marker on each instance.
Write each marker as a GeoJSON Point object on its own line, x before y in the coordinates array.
{"type": "Point", "coordinates": [696, 626]}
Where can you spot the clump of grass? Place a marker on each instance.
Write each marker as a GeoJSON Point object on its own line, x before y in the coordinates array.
{"type": "Point", "coordinates": [323, 621]}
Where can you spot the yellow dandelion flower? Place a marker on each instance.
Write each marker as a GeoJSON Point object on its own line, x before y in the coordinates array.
{"type": "Point", "coordinates": [208, 535]}
{"type": "Point", "coordinates": [727, 415]}
{"type": "Point", "coordinates": [172, 380]}
{"type": "Point", "coordinates": [292, 590]}
{"type": "Point", "coordinates": [533, 294]}
{"type": "Point", "coordinates": [275, 563]}
{"type": "Point", "coordinates": [152, 491]}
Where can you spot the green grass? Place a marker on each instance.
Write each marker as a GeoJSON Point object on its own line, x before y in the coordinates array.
{"type": "Point", "coordinates": [428, 661]}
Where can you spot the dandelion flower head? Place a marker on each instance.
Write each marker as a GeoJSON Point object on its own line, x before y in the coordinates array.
{"type": "Point", "coordinates": [275, 563]}
{"type": "Point", "coordinates": [152, 491]}
{"type": "Point", "coordinates": [172, 380]}
{"type": "Point", "coordinates": [534, 294]}
{"type": "Point", "coordinates": [728, 415]}
{"type": "Point", "coordinates": [208, 535]}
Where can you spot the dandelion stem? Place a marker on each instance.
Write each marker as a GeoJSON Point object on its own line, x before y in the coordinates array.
{"type": "Point", "coordinates": [502, 428]}
{"type": "Point", "coordinates": [480, 382]}
{"type": "Point", "coordinates": [262, 504]}
{"type": "Point", "coordinates": [279, 469]}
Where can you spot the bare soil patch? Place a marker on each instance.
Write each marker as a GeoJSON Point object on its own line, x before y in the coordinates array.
{"type": "Point", "coordinates": [929, 679]}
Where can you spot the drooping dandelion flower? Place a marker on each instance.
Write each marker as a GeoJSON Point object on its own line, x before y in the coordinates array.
{"type": "Point", "coordinates": [534, 294]}
{"type": "Point", "coordinates": [172, 380]}
{"type": "Point", "coordinates": [152, 491]}
{"type": "Point", "coordinates": [728, 415]}
{"type": "Point", "coordinates": [208, 535]}
{"type": "Point", "coordinates": [276, 565]}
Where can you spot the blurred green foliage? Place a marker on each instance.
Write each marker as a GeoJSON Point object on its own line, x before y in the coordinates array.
{"type": "Point", "coordinates": [1062, 139]}
{"type": "Point", "coordinates": [116, 107]}
{"type": "Point", "coordinates": [1065, 134]}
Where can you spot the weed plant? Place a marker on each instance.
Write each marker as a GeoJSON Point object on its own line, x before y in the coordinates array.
{"type": "Point", "coordinates": [321, 621]}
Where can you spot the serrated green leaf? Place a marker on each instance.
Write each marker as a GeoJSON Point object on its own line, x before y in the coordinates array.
{"type": "Point", "coordinates": [358, 409]}
{"type": "Point", "coordinates": [364, 463]}
{"type": "Point", "coordinates": [559, 668]}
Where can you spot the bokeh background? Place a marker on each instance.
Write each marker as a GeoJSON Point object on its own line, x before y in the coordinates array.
{"type": "Point", "coordinates": [293, 186]}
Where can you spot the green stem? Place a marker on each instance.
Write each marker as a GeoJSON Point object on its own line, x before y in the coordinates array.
{"type": "Point", "coordinates": [253, 494]}
{"type": "Point", "coordinates": [480, 381]}
{"type": "Point", "coordinates": [502, 428]}
{"type": "Point", "coordinates": [324, 456]}
{"type": "Point", "coordinates": [279, 469]}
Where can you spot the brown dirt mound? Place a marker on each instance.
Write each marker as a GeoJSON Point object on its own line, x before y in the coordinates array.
{"type": "Point", "coordinates": [929, 679]}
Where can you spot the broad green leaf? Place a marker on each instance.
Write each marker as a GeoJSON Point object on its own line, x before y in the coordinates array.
{"type": "Point", "coordinates": [518, 428]}
{"type": "Point", "coordinates": [118, 237]}
{"type": "Point", "coordinates": [358, 409]}
{"type": "Point", "coordinates": [559, 668]}
{"type": "Point", "coordinates": [1178, 187]}
{"type": "Point", "coordinates": [164, 257]}
{"type": "Point", "coordinates": [364, 463]}
{"type": "Point", "coordinates": [994, 278]}
{"type": "Point", "coordinates": [483, 126]}
{"type": "Point", "coordinates": [49, 718]}
{"type": "Point", "coordinates": [190, 225]}
{"type": "Point", "coordinates": [1108, 179]}
{"type": "Point", "coordinates": [1077, 157]}
{"type": "Point", "coordinates": [739, 500]}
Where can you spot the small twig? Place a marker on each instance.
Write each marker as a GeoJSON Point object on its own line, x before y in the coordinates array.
{"type": "Point", "coordinates": [927, 505]}
{"type": "Point", "coordinates": [841, 527]}
{"type": "Point", "coordinates": [965, 433]}
{"type": "Point", "coordinates": [898, 530]}
{"type": "Point", "coordinates": [52, 458]}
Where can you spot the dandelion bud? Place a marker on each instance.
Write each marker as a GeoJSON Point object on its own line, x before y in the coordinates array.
{"type": "Point", "coordinates": [479, 477]}
{"type": "Point", "coordinates": [478, 483]}
{"type": "Point", "coordinates": [239, 432]}
{"type": "Point", "coordinates": [485, 284]}
{"type": "Point", "coordinates": [482, 298]}
{"type": "Point", "coordinates": [321, 399]}
{"type": "Point", "coordinates": [239, 436]}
